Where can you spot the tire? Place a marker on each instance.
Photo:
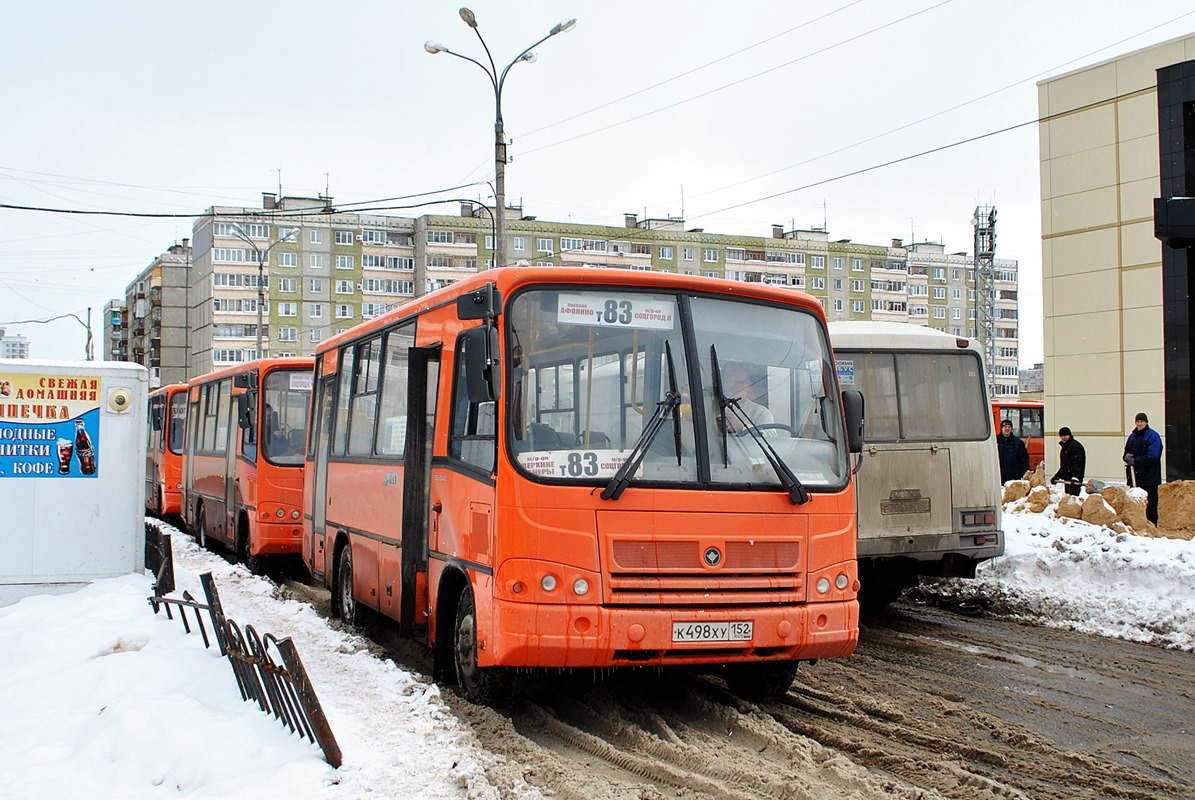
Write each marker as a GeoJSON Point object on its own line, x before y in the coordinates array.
{"type": "Point", "coordinates": [484, 686]}
{"type": "Point", "coordinates": [761, 680]}
{"type": "Point", "coordinates": [346, 605]}
{"type": "Point", "coordinates": [201, 527]}
{"type": "Point", "coordinates": [256, 564]}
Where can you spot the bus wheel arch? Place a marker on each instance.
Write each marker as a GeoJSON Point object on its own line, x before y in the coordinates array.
{"type": "Point", "coordinates": [200, 524]}
{"type": "Point", "coordinates": [343, 603]}
{"type": "Point", "coordinates": [453, 585]}
{"type": "Point", "coordinates": [244, 545]}
{"type": "Point", "coordinates": [481, 685]}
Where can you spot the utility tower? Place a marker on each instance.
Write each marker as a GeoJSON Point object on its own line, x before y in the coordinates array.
{"type": "Point", "coordinates": [985, 287]}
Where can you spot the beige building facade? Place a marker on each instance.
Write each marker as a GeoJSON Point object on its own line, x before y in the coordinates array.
{"type": "Point", "coordinates": [1106, 317]}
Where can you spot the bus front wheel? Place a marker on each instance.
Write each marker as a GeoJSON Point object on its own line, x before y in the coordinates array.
{"type": "Point", "coordinates": [481, 685]}
{"type": "Point", "coordinates": [256, 564]}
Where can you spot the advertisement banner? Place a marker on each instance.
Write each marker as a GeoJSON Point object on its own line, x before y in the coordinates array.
{"type": "Point", "coordinates": [49, 426]}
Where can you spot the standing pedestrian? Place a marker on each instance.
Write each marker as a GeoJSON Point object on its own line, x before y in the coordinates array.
{"type": "Point", "coordinates": [1014, 458]}
{"type": "Point", "coordinates": [1072, 462]}
{"type": "Point", "coordinates": [1143, 463]}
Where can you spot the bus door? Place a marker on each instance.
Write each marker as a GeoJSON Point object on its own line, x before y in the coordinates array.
{"type": "Point", "coordinates": [418, 511]}
{"type": "Point", "coordinates": [232, 439]}
{"type": "Point", "coordinates": [153, 461]}
{"type": "Point", "coordinates": [321, 436]}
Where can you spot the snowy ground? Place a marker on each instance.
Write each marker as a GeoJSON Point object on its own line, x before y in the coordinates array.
{"type": "Point", "coordinates": [100, 698]}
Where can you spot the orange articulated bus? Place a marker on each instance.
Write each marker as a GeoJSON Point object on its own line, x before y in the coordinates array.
{"type": "Point", "coordinates": [243, 471]}
{"type": "Point", "coordinates": [549, 468]}
{"type": "Point", "coordinates": [164, 450]}
{"type": "Point", "coordinates": [1028, 422]}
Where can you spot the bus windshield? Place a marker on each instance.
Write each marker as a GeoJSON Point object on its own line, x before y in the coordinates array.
{"type": "Point", "coordinates": [591, 367]}
{"type": "Point", "coordinates": [285, 395]}
{"type": "Point", "coordinates": [177, 421]}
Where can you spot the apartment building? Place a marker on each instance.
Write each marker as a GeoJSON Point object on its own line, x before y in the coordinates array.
{"type": "Point", "coordinates": [13, 346]}
{"type": "Point", "coordinates": [320, 270]}
{"type": "Point", "coordinates": [116, 331]}
{"type": "Point", "coordinates": [154, 318]}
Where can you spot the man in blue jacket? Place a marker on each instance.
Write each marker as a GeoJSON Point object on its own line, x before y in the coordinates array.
{"type": "Point", "coordinates": [1014, 458]}
{"type": "Point", "coordinates": [1143, 463]}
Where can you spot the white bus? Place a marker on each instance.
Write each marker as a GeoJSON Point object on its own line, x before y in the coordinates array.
{"type": "Point", "coordinates": [928, 489]}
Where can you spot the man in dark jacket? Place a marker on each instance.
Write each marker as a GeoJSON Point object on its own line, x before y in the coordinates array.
{"type": "Point", "coordinates": [1014, 458]}
{"type": "Point", "coordinates": [1143, 463]}
{"type": "Point", "coordinates": [1072, 462]}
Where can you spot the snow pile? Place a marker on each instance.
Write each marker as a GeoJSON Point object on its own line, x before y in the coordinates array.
{"type": "Point", "coordinates": [1067, 573]}
{"type": "Point", "coordinates": [138, 708]}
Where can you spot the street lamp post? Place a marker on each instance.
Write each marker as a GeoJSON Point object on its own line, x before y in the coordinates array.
{"type": "Point", "coordinates": [262, 256]}
{"type": "Point", "coordinates": [498, 80]}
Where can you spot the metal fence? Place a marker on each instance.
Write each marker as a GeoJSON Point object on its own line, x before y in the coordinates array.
{"type": "Point", "coordinates": [268, 670]}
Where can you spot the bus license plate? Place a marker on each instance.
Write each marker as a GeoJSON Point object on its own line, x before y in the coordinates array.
{"type": "Point", "coordinates": [711, 631]}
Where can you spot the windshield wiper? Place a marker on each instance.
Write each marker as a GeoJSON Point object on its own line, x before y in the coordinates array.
{"type": "Point", "coordinates": [670, 403]}
{"type": "Point", "coordinates": [797, 493]}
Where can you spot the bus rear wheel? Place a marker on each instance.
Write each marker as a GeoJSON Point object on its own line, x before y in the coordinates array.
{"type": "Point", "coordinates": [481, 685]}
{"type": "Point", "coordinates": [201, 526]}
{"type": "Point", "coordinates": [761, 680]}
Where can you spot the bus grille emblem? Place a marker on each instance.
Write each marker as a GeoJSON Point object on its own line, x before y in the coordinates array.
{"type": "Point", "coordinates": [712, 557]}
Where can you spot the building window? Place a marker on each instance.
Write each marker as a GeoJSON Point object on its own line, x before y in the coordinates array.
{"type": "Point", "coordinates": [817, 262]}
{"type": "Point", "coordinates": [711, 274]}
{"type": "Point", "coordinates": [316, 335]}
{"type": "Point", "coordinates": [665, 253]}
{"type": "Point", "coordinates": [344, 311]}
{"type": "Point", "coordinates": [288, 309]}
{"type": "Point", "coordinates": [939, 273]}
{"type": "Point", "coordinates": [838, 261]}
{"type": "Point", "coordinates": [315, 310]}
{"type": "Point", "coordinates": [373, 237]}
{"type": "Point", "coordinates": [316, 260]}
{"type": "Point", "coordinates": [369, 261]}
{"type": "Point", "coordinates": [489, 242]}
{"type": "Point", "coordinates": [544, 246]}
{"type": "Point", "coordinates": [288, 334]}
{"type": "Point", "coordinates": [856, 286]}
{"type": "Point", "coordinates": [838, 284]}
{"type": "Point", "coordinates": [956, 313]}
{"type": "Point", "coordinates": [939, 312]}
{"type": "Point", "coordinates": [288, 259]}
{"type": "Point", "coordinates": [344, 287]}
{"type": "Point", "coordinates": [858, 306]}
{"type": "Point", "coordinates": [856, 265]}
{"type": "Point", "coordinates": [286, 285]}
{"type": "Point", "coordinates": [439, 237]}
{"type": "Point", "coordinates": [709, 256]}
{"type": "Point", "coordinates": [838, 305]}
{"type": "Point", "coordinates": [688, 253]}
{"type": "Point", "coordinates": [344, 262]}
{"type": "Point", "coordinates": [316, 285]}
{"type": "Point", "coordinates": [400, 262]}
{"type": "Point", "coordinates": [817, 283]}
{"type": "Point", "coordinates": [315, 236]}
{"type": "Point", "coordinates": [939, 292]}
{"type": "Point", "coordinates": [520, 242]}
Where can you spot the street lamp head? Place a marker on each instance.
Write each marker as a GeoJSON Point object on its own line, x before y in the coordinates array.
{"type": "Point", "coordinates": [468, 16]}
{"type": "Point", "coordinates": [434, 47]}
{"type": "Point", "coordinates": [563, 27]}
{"type": "Point", "coordinates": [529, 57]}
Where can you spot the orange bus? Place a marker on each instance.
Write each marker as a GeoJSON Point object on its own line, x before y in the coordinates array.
{"type": "Point", "coordinates": [1028, 422]}
{"type": "Point", "coordinates": [164, 450]}
{"type": "Point", "coordinates": [243, 471]}
{"type": "Point", "coordinates": [547, 467]}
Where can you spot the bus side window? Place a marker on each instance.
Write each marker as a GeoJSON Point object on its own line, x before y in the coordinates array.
{"type": "Point", "coordinates": [391, 437]}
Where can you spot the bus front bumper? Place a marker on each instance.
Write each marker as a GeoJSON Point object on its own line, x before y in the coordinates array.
{"type": "Point", "coordinates": [531, 635]}
{"type": "Point", "coordinates": [277, 538]}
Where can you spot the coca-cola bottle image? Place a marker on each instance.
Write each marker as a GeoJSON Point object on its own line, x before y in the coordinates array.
{"type": "Point", "coordinates": [84, 449]}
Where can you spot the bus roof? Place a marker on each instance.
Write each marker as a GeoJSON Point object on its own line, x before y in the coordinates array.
{"type": "Point", "coordinates": [893, 335]}
{"type": "Point", "coordinates": [508, 279]}
{"type": "Point", "coordinates": [259, 365]}
{"type": "Point", "coordinates": [169, 389]}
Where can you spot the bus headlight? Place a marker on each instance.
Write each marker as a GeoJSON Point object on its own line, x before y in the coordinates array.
{"type": "Point", "coordinates": [294, 514]}
{"type": "Point", "coordinates": [580, 587]}
{"type": "Point", "coordinates": [823, 585]}
{"type": "Point", "coordinates": [841, 581]}
{"type": "Point", "coordinates": [548, 583]}
{"type": "Point", "coordinates": [280, 513]}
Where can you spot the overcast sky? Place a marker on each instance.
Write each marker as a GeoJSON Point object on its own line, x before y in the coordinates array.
{"type": "Point", "coordinates": [736, 116]}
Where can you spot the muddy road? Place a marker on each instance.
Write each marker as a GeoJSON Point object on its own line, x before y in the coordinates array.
{"type": "Point", "coordinates": [934, 704]}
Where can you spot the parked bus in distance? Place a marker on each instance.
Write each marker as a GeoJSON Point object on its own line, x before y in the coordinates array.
{"type": "Point", "coordinates": [1028, 422]}
{"type": "Point", "coordinates": [551, 467]}
{"type": "Point", "coordinates": [164, 450]}
{"type": "Point", "coordinates": [929, 485]}
{"type": "Point", "coordinates": [243, 471]}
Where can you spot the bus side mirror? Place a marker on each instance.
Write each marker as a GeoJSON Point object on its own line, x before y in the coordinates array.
{"type": "Point", "coordinates": [852, 406]}
{"type": "Point", "coordinates": [483, 376]}
{"type": "Point", "coordinates": [244, 415]}
{"type": "Point", "coordinates": [482, 303]}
